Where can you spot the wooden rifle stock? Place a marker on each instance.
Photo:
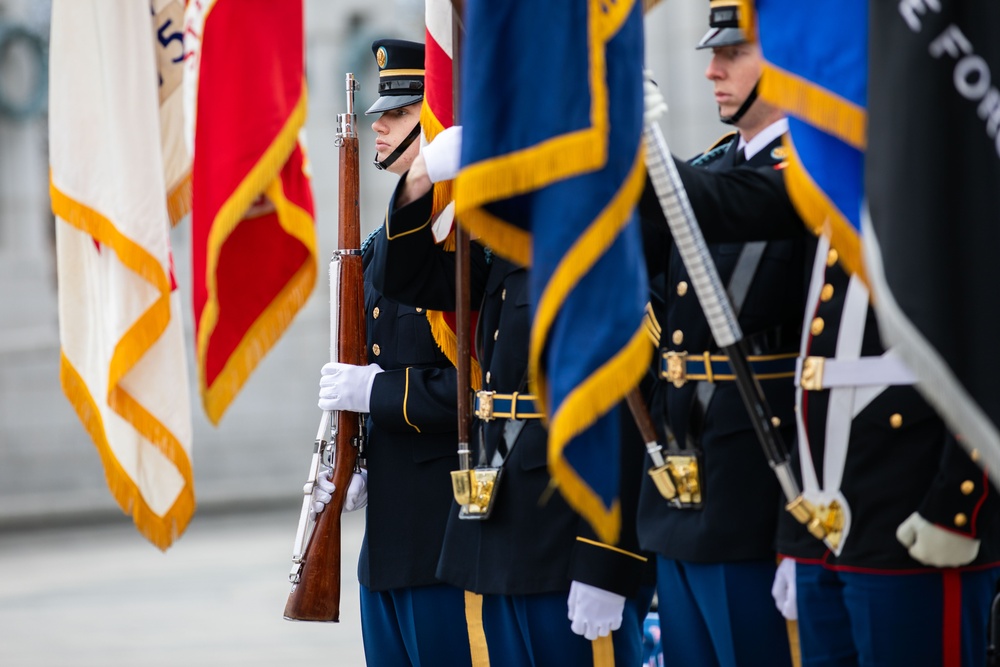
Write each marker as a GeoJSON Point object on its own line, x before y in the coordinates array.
{"type": "Point", "coordinates": [315, 594]}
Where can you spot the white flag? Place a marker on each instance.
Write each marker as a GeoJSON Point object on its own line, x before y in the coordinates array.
{"type": "Point", "coordinates": [116, 146]}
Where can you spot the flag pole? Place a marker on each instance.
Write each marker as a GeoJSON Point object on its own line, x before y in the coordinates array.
{"type": "Point", "coordinates": [462, 298]}
{"type": "Point", "coordinates": [721, 319]}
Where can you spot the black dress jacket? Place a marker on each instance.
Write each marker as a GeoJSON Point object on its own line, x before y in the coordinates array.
{"type": "Point", "coordinates": [533, 542]}
{"type": "Point", "coordinates": [741, 497]}
{"type": "Point", "coordinates": [901, 458]}
{"type": "Point", "coordinates": [412, 442]}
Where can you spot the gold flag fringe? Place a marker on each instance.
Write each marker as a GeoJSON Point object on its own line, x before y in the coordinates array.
{"type": "Point", "coordinates": [602, 390]}
{"type": "Point", "coordinates": [532, 168]}
{"type": "Point", "coordinates": [160, 530]}
{"type": "Point", "coordinates": [179, 199]}
{"type": "Point", "coordinates": [606, 387]}
{"type": "Point", "coordinates": [132, 346]}
{"type": "Point", "coordinates": [580, 259]}
{"type": "Point", "coordinates": [559, 157]}
{"type": "Point", "coordinates": [509, 241]}
{"type": "Point", "coordinates": [272, 322]}
{"type": "Point", "coordinates": [816, 105]}
{"type": "Point", "coordinates": [432, 127]}
{"type": "Point", "coordinates": [151, 324]}
{"type": "Point", "coordinates": [446, 339]}
{"type": "Point", "coordinates": [821, 215]}
{"type": "Point", "coordinates": [442, 195]}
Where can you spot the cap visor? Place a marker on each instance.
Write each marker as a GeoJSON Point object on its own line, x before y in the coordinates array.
{"type": "Point", "coordinates": [389, 102]}
{"type": "Point", "coordinates": [721, 37]}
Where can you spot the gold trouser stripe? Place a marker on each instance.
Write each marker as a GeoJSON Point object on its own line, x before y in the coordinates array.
{"type": "Point", "coordinates": [793, 643]}
{"type": "Point", "coordinates": [604, 651]}
{"type": "Point", "coordinates": [477, 636]}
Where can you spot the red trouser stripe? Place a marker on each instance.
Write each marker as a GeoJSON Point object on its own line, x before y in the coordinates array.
{"type": "Point", "coordinates": [951, 626]}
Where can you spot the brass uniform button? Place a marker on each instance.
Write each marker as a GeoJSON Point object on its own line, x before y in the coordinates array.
{"type": "Point", "coordinates": [961, 519]}
{"type": "Point", "coordinates": [375, 312]}
{"type": "Point", "coordinates": [503, 294]}
{"type": "Point", "coordinates": [376, 349]}
{"type": "Point", "coordinates": [832, 257]}
{"type": "Point", "coordinates": [826, 293]}
{"type": "Point", "coordinates": [968, 486]}
{"type": "Point", "coordinates": [896, 420]}
{"type": "Point", "coordinates": [495, 334]}
{"type": "Point", "coordinates": [974, 455]}
{"type": "Point", "coordinates": [420, 310]}
{"type": "Point", "coordinates": [817, 326]}
{"type": "Point", "coordinates": [682, 288]}
{"type": "Point", "coordinates": [775, 421]}
{"type": "Point", "coordinates": [677, 337]}
{"type": "Point", "coordinates": [488, 376]}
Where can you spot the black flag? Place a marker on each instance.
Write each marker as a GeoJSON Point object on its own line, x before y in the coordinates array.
{"type": "Point", "coordinates": [933, 187]}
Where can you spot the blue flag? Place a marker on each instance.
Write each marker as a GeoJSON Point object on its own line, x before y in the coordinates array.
{"type": "Point", "coordinates": [817, 72]}
{"type": "Point", "coordinates": [551, 108]}
{"type": "Point", "coordinates": [867, 162]}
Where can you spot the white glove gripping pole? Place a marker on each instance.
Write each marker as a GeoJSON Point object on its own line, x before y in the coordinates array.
{"type": "Point", "coordinates": [715, 304]}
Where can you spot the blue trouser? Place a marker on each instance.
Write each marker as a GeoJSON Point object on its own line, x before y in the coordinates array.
{"type": "Point", "coordinates": [534, 631]}
{"type": "Point", "coordinates": [851, 619]}
{"type": "Point", "coordinates": [720, 614]}
{"type": "Point", "coordinates": [423, 626]}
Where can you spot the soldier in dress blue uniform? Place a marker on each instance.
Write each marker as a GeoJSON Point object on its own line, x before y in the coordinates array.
{"type": "Point", "coordinates": [716, 556]}
{"type": "Point", "coordinates": [911, 555]}
{"type": "Point", "coordinates": [408, 617]}
{"type": "Point", "coordinates": [533, 559]}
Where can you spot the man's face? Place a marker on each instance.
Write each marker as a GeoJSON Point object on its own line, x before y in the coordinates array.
{"type": "Point", "coordinates": [734, 70]}
{"type": "Point", "coordinates": [391, 128]}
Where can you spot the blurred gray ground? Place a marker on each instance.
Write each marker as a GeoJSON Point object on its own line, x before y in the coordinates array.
{"type": "Point", "coordinates": [101, 596]}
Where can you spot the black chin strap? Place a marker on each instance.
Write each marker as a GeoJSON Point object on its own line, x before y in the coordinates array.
{"type": "Point", "coordinates": [403, 145]}
{"type": "Point", "coordinates": [732, 120]}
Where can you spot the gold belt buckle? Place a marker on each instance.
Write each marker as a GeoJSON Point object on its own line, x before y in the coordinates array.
{"type": "Point", "coordinates": [812, 373]}
{"type": "Point", "coordinates": [676, 368]}
{"type": "Point", "coordinates": [484, 410]}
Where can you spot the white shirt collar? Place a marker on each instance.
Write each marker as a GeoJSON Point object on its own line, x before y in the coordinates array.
{"type": "Point", "coordinates": [763, 138]}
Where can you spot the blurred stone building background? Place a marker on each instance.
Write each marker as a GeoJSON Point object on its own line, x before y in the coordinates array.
{"type": "Point", "coordinates": [258, 455]}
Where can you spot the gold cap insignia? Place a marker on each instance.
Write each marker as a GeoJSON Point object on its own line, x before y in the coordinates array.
{"type": "Point", "coordinates": [381, 56]}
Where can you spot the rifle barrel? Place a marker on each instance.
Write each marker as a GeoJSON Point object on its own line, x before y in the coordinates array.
{"type": "Point", "coordinates": [315, 596]}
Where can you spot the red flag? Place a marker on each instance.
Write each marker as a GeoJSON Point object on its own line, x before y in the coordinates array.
{"type": "Point", "coordinates": [437, 114]}
{"type": "Point", "coordinates": [252, 207]}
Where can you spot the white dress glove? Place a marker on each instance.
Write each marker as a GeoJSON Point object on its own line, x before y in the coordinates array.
{"type": "Point", "coordinates": [594, 612]}
{"type": "Point", "coordinates": [357, 492]}
{"type": "Point", "coordinates": [347, 387]}
{"type": "Point", "coordinates": [443, 156]}
{"type": "Point", "coordinates": [935, 546]}
{"type": "Point", "coordinates": [783, 589]}
{"type": "Point", "coordinates": [654, 105]}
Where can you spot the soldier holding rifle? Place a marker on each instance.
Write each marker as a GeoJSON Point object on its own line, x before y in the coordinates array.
{"type": "Point", "coordinates": [523, 548]}
{"type": "Point", "coordinates": [408, 389]}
